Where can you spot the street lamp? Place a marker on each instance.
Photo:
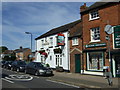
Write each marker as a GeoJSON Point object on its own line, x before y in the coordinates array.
{"type": "Point", "coordinates": [31, 38]}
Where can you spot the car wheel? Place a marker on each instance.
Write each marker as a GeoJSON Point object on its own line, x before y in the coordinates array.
{"type": "Point", "coordinates": [12, 68]}
{"type": "Point", "coordinates": [18, 69]}
{"type": "Point", "coordinates": [36, 73]}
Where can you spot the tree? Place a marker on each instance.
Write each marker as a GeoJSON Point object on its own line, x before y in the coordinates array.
{"type": "Point", "coordinates": [3, 48]}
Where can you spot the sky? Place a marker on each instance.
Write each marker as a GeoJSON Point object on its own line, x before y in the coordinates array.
{"type": "Point", "coordinates": [35, 17]}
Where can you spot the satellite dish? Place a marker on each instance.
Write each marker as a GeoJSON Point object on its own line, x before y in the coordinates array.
{"type": "Point", "coordinates": [108, 29]}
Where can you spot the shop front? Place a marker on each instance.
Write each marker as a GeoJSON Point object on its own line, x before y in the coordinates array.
{"type": "Point", "coordinates": [94, 58]}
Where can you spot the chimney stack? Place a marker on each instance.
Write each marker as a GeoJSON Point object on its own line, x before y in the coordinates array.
{"type": "Point", "coordinates": [20, 47]}
{"type": "Point", "coordinates": [83, 7]}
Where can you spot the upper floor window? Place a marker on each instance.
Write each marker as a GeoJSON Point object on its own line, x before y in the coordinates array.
{"type": "Point", "coordinates": [94, 15]}
{"type": "Point", "coordinates": [95, 34]}
{"type": "Point", "coordinates": [75, 41]}
{"type": "Point", "coordinates": [42, 43]}
{"type": "Point", "coordinates": [51, 41]}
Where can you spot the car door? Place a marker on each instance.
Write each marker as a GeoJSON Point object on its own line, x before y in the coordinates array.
{"type": "Point", "coordinates": [28, 68]}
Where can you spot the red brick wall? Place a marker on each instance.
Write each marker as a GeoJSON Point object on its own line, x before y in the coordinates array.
{"type": "Point", "coordinates": [111, 13]}
{"type": "Point", "coordinates": [73, 51]}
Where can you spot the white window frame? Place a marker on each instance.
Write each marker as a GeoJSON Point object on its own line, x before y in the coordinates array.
{"type": "Point", "coordinates": [58, 59]}
{"type": "Point", "coordinates": [42, 43]}
{"type": "Point", "coordinates": [92, 33]}
{"type": "Point", "coordinates": [88, 62]}
{"type": "Point", "coordinates": [95, 15]}
{"type": "Point", "coordinates": [51, 41]}
{"type": "Point", "coordinates": [75, 41]}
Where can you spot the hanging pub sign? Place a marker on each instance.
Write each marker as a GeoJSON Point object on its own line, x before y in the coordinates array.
{"type": "Point", "coordinates": [60, 39]}
{"type": "Point", "coordinates": [117, 36]}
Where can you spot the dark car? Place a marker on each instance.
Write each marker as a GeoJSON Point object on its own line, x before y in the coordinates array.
{"type": "Point", "coordinates": [8, 64]}
{"type": "Point", "coordinates": [37, 68]}
{"type": "Point", "coordinates": [3, 63]}
{"type": "Point", "coordinates": [18, 65]}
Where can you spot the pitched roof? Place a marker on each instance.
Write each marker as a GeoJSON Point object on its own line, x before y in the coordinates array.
{"type": "Point", "coordinates": [21, 50]}
{"type": "Point", "coordinates": [8, 52]}
{"type": "Point", "coordinates": [59, 29]}
{"type": "Point", "coordinates": [100, 4]}
{"type": "Point", "coordinates": [76, 31]}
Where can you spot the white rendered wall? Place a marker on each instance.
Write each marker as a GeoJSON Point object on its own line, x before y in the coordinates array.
{"type": "Point", "coordinates": [65, 55]}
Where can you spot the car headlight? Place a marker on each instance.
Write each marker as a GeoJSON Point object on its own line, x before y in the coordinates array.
{"type": "Point", "coordinates": [41, 71]}
{"type": "Point", "coordinates": [21, 67]}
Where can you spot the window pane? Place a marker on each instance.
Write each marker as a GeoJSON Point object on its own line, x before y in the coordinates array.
{"type": "Point", "coordinates": [95, 61]}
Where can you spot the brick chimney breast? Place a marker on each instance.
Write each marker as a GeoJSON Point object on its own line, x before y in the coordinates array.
{"type": "Point", "coordinates": [83, 7]}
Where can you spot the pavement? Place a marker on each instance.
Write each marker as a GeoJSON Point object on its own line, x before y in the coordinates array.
{"type": "Point", "coordinates": [85, 81]}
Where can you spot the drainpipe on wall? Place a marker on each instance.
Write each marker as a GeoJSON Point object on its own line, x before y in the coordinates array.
{"type": "Point", "coordinates": [68, 51]}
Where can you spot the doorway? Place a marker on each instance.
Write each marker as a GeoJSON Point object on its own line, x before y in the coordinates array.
{"type": "Point", "coordinates": [117, 66]}
{"type": "Point", "coordinates": [77, 63]}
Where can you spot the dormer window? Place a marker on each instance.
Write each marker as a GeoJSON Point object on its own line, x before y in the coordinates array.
{"type": "Point", "coordinates": [93, 15]}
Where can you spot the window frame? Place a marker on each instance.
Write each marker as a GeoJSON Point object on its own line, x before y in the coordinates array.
{"type": "Point", "coordinates": [92, 32]}
{"type": "Point", "coordinates": [96, 15]}
{"type": "Point", "coordinates": [88, 61]}
{"type": "Point", "coordinates": [75, 41]}
{"type": "Point", "coordinates": [51, 41]}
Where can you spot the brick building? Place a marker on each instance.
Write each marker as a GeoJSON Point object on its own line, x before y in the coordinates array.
{"type": "Point", "coordinates": [95, 45]}
{"type": "Point", "coordinates": [22, 53]}
{"type": "Point", "coordinates": [75, 41]}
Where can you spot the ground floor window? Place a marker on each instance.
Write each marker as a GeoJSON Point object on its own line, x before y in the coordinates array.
{"type": "Point", "coordinates": [58, 59]}
{"type": "Point", "coordinates": [42, 59]}
{"type": "Point", "coordinates": [95, 61]}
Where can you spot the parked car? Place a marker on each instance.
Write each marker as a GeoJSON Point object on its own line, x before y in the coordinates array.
{"type": "Point", "coordinates": [8, 64]}
{"type": "Point", "coordinates": [37, 68]}
{"type": "Point", "coordinates": [18, 65]}
{"type": "Point", "coordinates": [3, 63]}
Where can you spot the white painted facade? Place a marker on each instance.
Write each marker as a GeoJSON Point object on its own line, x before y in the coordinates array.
{"type": "Point", "coordinates": [53, 59]}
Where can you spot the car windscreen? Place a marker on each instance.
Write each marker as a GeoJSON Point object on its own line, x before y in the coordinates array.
{"type": "Point", "coordinates": [21, 63]}
{"type": "Point", "coordinates": [39, 65]}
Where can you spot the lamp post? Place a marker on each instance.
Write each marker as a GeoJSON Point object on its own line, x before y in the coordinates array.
{"type": "Point", "coordinates": [31, 38]}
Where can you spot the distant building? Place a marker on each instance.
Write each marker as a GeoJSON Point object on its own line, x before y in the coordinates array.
{"type": "Point", "coordinates": [23, 53]}
{"type": "Point", "coordinates": [7, 53]}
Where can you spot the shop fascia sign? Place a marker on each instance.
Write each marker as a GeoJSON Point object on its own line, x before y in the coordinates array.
{"type": "Point", "coordinates": [117, 36]}
{"type": "Point", "coordinates": [95, 45]}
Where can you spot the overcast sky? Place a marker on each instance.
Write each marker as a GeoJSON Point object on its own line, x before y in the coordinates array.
{"type": "Point", "coordinates": [34, 17]}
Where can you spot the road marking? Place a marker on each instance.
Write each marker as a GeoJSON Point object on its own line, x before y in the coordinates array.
{"type": "Point", "coordinates": [7, 80]}
{"type": "Point", "coordinates": [63, 83]}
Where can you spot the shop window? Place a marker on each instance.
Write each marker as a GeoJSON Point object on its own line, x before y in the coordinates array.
{"type": "Point", "coordinates": [95, 34]}
{"type": "Point", "coordinates": [95, 61]}
{"type": "Point", "coordinates": [94, 15]}
{"type": "Point", "coordinates": [75, 41]}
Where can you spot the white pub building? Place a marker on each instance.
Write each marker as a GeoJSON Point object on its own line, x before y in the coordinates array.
{"type": "Point", "coordinates": [53, 47]}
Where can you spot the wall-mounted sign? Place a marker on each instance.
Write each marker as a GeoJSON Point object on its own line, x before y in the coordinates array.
{"type": "Point", "coordinates": [117, 37]}
{"type": "Point", "coordinates": [95, 45]}
{"type": "Point", "coordinates": [60, 39]}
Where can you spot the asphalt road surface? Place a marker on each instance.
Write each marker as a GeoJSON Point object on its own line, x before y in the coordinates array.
{"type": "Point", "coordinates": [19, 80]}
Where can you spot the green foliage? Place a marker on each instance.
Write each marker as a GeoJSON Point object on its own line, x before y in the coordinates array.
{"type": "Point", "coordinates": [10, 57]}
{"type": "Point", "coordinates": [3, 48]}
{"type": "Point", "coordinates": [6, 58]}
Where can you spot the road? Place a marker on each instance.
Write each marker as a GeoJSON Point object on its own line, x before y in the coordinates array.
{"type": "Point", "coordinates": [34, 82]}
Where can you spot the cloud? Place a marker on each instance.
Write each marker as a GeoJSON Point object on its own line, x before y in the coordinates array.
{"type": "Point", "coordinates": [34, 17]}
